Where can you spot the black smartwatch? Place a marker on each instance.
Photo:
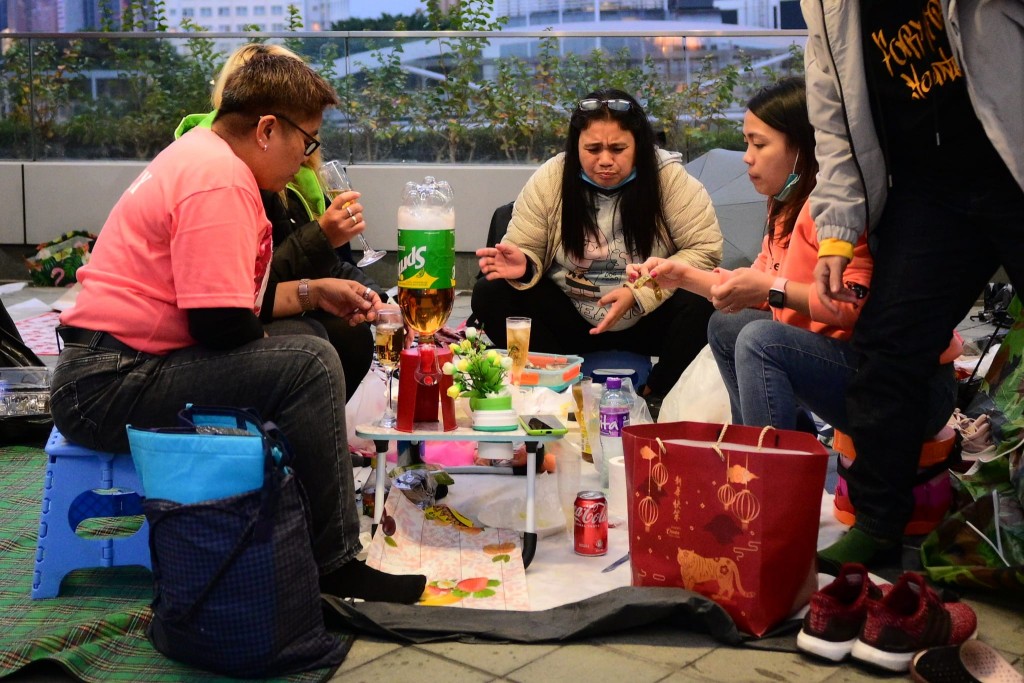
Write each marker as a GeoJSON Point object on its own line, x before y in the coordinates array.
{"type": "Point", "coordinates": [777, 293]}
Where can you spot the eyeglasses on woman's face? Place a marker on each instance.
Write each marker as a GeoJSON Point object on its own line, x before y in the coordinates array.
{"type": "Point", "coordinates": [593, 104]}
{"type": "Point", "coordinates": [312, 144]}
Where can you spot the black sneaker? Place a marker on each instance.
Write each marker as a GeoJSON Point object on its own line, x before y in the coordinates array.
{"type": "Point", "coordinates": [837, 613]}
{"type": "Point", "coordinates": [910, 618]}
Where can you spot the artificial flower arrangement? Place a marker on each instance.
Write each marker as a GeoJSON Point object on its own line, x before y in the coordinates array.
{"type": "Point", "coordinates": [477, 371]}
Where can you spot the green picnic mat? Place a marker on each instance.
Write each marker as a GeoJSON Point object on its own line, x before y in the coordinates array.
{"type": "Point", "coordinates": [96, 628]}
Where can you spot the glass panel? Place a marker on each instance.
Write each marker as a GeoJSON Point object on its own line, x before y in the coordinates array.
{"type": "Point", "coordinates": [480, 98]}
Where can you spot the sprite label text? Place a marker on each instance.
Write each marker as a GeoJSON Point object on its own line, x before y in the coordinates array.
{"type": "Point", "coordinates": [426, 259]}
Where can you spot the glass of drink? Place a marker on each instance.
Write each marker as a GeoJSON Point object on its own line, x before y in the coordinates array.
{"type": "Point", "coordinates": [389, 340]}
{"type": "Point", "coordinates": [578, 389]}
{"type": "Point", "coordinates": [518, 332]}
{"type": "Point", "coordinates": [334, 181]}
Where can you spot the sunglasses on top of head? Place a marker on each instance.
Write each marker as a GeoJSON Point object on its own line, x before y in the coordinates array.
{"type": "Point", "coordinates": [312, 144]}
{"type": "Point", "coordinates": [593, 104]}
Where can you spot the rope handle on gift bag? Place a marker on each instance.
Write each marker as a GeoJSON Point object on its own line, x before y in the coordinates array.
{"type": "Point", "coordinates": [717, 446]}
{"type": "Point", "coordinates": [260, 525]}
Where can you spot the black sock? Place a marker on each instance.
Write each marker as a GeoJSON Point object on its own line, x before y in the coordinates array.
{"type": "Point", "coordinates": [356, 580]}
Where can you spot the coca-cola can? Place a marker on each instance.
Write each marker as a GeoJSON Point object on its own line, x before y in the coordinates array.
{"type": "Point", "coordinates": [590, 533]}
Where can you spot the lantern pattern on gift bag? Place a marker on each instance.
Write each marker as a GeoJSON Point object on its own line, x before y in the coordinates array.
{"type": "Point", "coordinates": [743, 504]}
{"type": "Point", "coordinates": [647, 509]}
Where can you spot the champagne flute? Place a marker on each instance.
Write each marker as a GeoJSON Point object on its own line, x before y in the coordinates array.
{"type": "Point", "coordinates": [334, 181]}
{"type": "Point", "coordinates": [389, 340]}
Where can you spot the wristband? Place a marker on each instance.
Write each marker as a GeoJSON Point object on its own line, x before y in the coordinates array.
{"type": "Point", "coordinates": [835, 247]}
{"type": "Point", "coordinates": [304, 303]}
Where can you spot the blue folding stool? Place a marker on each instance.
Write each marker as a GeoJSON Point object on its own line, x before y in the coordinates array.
{"type": "Point", "coordinates": [81, 484]}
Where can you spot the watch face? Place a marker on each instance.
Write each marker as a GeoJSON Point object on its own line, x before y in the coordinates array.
{"type": "Point", "coordinates": [776, 298]}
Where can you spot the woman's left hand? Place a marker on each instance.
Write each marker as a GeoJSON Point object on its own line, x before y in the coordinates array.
{"type": "Point", "coordinates": [343, 220]}
{"type": "Point", "coordinates": [747, 288]}
{"type": "Point", "coordinates": [619, 301]}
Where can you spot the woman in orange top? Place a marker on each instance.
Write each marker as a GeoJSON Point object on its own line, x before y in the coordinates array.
{"type": "Point", "coordinates": [778, 348]}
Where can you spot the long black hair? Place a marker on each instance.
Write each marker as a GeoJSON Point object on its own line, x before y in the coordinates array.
{"type": "Point", "coordinates": [783, 106]}
{"type": "Point", "coordinates": [638, 202]}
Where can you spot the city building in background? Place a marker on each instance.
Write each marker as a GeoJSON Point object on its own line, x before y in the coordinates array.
{"type": "Point", "coordinates": [234, 15]}
{"type": "Point", "coordinates": [59, 16]}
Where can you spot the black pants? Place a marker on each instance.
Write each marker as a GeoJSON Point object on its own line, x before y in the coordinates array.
{"type": "Point", "coordinates": [675, 332]}
{"type": "Point", "coordinates": [938, 242]}
{"type": "Point", "coordinates": [353, 344]}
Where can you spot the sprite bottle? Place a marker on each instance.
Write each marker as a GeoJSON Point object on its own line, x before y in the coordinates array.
{"type": "Point", "coordinates": [426, 256]}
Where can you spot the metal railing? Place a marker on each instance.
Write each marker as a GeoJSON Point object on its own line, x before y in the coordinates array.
{"type": "Point", "coordinates": [424, 96]}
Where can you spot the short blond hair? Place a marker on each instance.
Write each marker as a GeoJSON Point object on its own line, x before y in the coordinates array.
{"type": "Point", "coordinates": [275, 84]}
{"type": "Point", "coordinates": [240, 57]}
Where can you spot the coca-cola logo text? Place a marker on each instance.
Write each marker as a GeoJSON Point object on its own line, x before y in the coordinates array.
{"type": "Point", "coordinates": [588, 515]}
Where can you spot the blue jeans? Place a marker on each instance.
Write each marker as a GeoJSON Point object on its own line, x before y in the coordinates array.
{"type": "Point", "coordinates": [772, 369]}
{"type": "Point", "coordinates": [295, 380]}
{"type": "Point", "coordinates": [938, 242]}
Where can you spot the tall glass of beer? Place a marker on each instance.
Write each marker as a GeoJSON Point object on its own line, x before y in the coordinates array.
{"type": "Point", "coordinates": [517, 330]}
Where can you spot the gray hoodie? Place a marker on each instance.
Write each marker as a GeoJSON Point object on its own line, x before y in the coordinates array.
{"type": "Point", "coordinates": [987, 38]}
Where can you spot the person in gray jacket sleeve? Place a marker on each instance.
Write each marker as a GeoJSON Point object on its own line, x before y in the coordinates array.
{"type": "Point", "coordinates": [918, 108]}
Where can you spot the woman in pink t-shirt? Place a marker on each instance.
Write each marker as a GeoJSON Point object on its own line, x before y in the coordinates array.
{"type": "Point", "coordinates": [170, 302]}
{"type": "Point", "coordinates": [778, 348]}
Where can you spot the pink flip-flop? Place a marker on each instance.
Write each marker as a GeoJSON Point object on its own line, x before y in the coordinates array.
{"type": "Point", "coordinates": [970, 662]}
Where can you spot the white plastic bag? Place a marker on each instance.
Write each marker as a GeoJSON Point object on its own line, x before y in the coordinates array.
{"type": "Point", "coordinates": [699, 395]}
{"type": "Point", "coordinates": [366, 406]}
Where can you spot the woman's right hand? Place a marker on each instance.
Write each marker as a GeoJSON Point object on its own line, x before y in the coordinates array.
{"type": "Point", "coordinates": [343, 219]}
{"type": "Point", "coordinates": [667, 273]}
{"type": "Point", "coordinates": [347, 299]}
{"type": "Point", "coordinates": [504, 260]}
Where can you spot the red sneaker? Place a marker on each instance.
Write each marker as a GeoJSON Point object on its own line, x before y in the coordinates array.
{"type": "Point", "coordinates": [911, 617]}
{"type": "Point", "coordinates": [837, 613]}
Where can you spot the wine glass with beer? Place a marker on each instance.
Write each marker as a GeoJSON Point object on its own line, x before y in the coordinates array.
{"type": "Point", "coordinates": [389, 340]}
{"type": "Point", "coordinates": [334, 181]}
{"type": "Point", "coordinates": [517, 330]}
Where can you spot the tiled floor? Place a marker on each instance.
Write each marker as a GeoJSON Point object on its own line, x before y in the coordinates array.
{"type": "Point", "coordinates": [659, 654]}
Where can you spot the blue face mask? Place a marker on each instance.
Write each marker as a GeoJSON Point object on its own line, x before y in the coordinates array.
{"type": "Point", "coordinates": [631, 176]}
{"type": "Point", "coordinates": [790, 185]}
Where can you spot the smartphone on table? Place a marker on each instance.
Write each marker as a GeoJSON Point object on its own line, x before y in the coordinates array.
{"type": "Point", "coordinates": [542, 425]}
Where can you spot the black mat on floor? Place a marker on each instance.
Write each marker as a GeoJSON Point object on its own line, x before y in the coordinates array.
{"type": "Point", "coordinates": [617, 610]}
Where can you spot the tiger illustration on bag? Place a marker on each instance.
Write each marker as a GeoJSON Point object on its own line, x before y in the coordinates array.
{"type": "Point", "coordinates": [696, 569]}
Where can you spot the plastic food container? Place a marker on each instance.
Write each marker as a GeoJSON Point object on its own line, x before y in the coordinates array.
{"type": "Point", "coordinates": [24, 391]}
{"type": "Point", "coordinates": [551, 370]}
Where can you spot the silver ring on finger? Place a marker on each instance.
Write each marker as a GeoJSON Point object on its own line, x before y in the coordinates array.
{"type": "Point", "coordinates": [350, 214]}
{"type": "Point", "coordinates": [367, 293]}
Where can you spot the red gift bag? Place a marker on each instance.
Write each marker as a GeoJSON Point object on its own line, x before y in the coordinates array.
{"type": "Point", "coordinates": [730, 512]}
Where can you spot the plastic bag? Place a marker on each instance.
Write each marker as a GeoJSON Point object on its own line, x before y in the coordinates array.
{"type": "Point", "coordinates": [56, 263]}
{"type": "Point", "coordinates": [699, 395]}
{"type": "Point", "coordinates": [366, 406]}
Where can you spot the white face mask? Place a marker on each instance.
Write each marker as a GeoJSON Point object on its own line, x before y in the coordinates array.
{"type": "Point", "coordinates": [790, 185]}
